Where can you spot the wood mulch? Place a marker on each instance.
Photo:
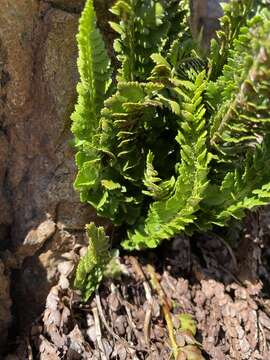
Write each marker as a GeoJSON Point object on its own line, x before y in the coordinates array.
{"type": "Point", "coordinates": [225, 289]}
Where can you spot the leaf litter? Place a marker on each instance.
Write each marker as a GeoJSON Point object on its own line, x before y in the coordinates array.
{"type": "Point", "coordinates": [185, 301]}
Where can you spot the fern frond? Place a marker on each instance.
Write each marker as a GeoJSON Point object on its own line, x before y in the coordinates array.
{"type": "Point", "coordinates": [243, 119]}
{"type": "Point", "coordinates": [177, 15]}
{"type": "Point", "coordinates": [94, 70]}
{"type": "Point", "coordinates": [244, 188]}
{"type": "Point", "coordinates": [92, 265]}
{"type": "Point", "coordinates": [144, 28]}
{"type": "Point", "coordinates": [120, 153]}
{"type": "Point", "coordinates": [169, 217]}
{"type": "Point", "coordinates": [156, 188]}
{"type": "Point", "coordinates": [202, 124]}
{"type": "Point", "coordinates": [139, 21]}
{"type": "Point", "coordinates": [236, 15]}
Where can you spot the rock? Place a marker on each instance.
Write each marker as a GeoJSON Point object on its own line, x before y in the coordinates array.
{"type": "Point", "coordinates": [205, 13]}
{"type": "Point", "coordinates": [38, 76]}
{"type": "Point", "coordinates": [5, 209]}
{"type": "Point", "coordinates": [40, 59]}
{"type": "Point", "coordinates": [5, 305]}
{"type": "Point", "coordinates": [67, 5]}
{"type": "Point", "coordinates": [35, 239]}
{"type": "Point", "coordinates": [3, 157]}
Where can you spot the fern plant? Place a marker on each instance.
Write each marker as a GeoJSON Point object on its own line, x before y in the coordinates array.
{"type": "Point", "coordinates": [93, 264]}
{"type": "Point", "coordinates": [178, 142]}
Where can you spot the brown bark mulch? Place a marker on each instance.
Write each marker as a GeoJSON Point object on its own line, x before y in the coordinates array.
{"type": "Point", "coordinates": [224, 289]}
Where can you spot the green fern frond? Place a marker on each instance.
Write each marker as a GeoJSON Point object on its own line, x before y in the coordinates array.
{"type": "Point", "coordinates": [239, 191]}
{"type": "Point", "coordinates": [176, 146]}
{"type": "Point", "coordinates": [120, 153]}
{"type": "Point", "coordinates": [236, 15]}
{"type": "Point", "coordinates": [243, 119]}
{"type": "Point", "coordinates": [149, 27]}
{"type": "Point", "coordinates": [139, 21]}
{"type": "Point", "coordinates": [171, 216]}
{"type": "Point", "coordinates": [177, 15]}
{"type": "Point", "coordinates": [93, 66]}
{"type": "Point", "coordinates": [92, 265]}
{"type": "Point", "coordinates": [156, 188]}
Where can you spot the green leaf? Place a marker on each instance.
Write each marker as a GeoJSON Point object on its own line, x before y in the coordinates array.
{"type": "Point", "coordinates": [187, 323]}
{"type": "Point", "coordinates": [92, 265]}
{"type": "Point", "coordinates": [93, 66]}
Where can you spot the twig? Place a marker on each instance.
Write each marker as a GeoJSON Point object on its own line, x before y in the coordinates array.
{"type": "Point", "coordinates": [260, 328]}
{"type": "Point", "coordinates": [137, 268]}
{"type": "Point", "coordinates": [165, 307]}
{"type": "Point", "coordinates": [98, 334]}
{"type": "Point", "coordinates": [230, 250]}
{"type": "Point", "coordinates": [103, 319]}
{"type": "Point", "coordinates": [129, 316]}
{"type": "Point", "coordinates": [125, 304]}
{"type": "Point", "coordinates": [108, 328]}
{"type": "Point", "coordinates": [148, 314]}
{"type": "Point", "coordinates": [166, 277]}
{"type": "Point", "coordinates": [147, 322]}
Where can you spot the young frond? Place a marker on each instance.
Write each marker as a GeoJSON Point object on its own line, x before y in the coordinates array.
{"type": "Point", "coordinates": [92, 265]}
{"type": "Point", "coordinates": [144, 28]}
{"type": "Point", "coordinates": [156, 188]}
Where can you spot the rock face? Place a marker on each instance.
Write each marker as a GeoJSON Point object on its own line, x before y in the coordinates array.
{"type": "Point", "coordinates": [41, 63]}
{"type": "Point", "coordinates": [205, 14]}
{"type": "Point", "coordinates": [40, 214]}
{"type": "Point", "coordinates": [5, 305]}
{"type": "Point", "coordinates": [38, 78]}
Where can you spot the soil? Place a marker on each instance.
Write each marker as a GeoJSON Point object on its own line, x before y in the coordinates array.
{"type": "Point", "coordinates": [131, 317]}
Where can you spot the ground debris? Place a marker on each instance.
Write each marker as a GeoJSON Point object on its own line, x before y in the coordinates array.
{"type": "Point", "coordinates": [213, 315]}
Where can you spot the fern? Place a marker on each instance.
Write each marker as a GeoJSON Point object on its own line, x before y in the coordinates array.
{"type": "Point", "coordinates": [95, 74]}
{"type": "Point", "coordinates": [165, 218]}
{"type": "Point", "coordinates": [127, 115]}
{"type": "Point", "coordinates": [93, 66]}
{"type": "Point", "coordinates": [93, 264]}
{"type": "Point", "coordinates": [145, 27]}
{"type": "Point", "coordinates": [175, 146]}
{"type": "Point", "coordinates": [156, 188]}
{"type": "Point", "coordinates": [242, 121]}
{"type": "Point", "coordinates": [240, 190]}
{"type": "Point", "coordinates": [236, 15]}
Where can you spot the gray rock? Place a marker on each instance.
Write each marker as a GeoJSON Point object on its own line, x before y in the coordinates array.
{"type": "Point", "coordinates": [205, 14]}
{"type": "Point", "coordinates": [38, 77]}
